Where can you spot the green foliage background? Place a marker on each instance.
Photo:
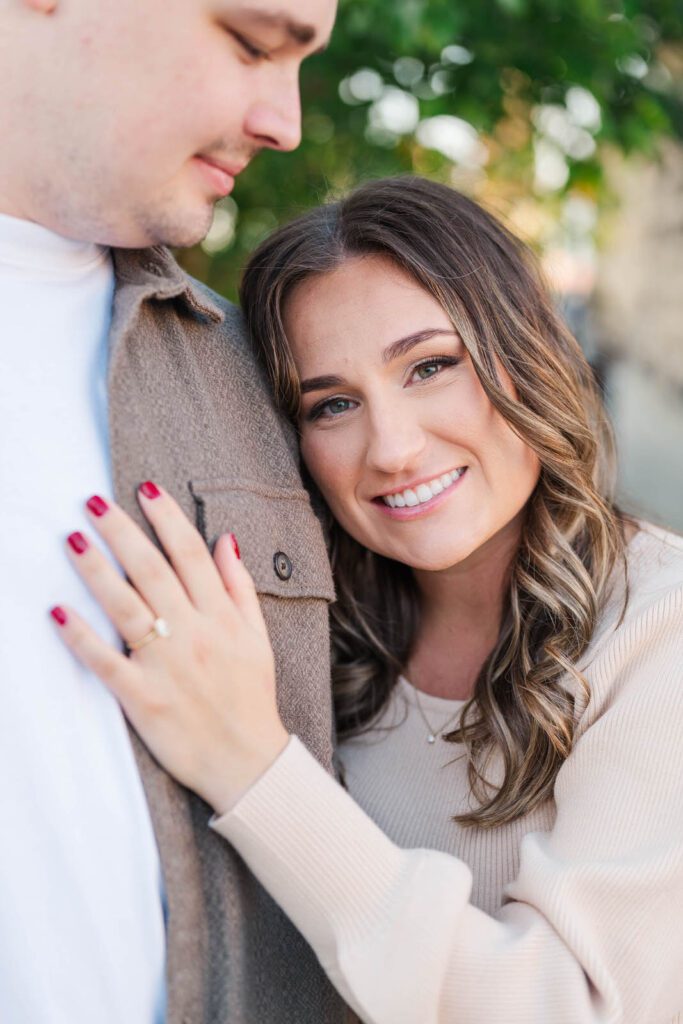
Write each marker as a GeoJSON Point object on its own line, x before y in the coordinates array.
{"type": "Point", "coordinates": [628, 54]}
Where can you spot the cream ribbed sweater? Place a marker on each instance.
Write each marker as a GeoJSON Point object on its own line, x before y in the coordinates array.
{"type": "Point", "coordinates": [572, 915]}
{"type": "Point", "coordinates": [412, 789]}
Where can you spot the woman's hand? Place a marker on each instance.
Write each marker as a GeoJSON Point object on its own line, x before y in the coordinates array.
{"type": "Point", "coordinates": [203, 698]}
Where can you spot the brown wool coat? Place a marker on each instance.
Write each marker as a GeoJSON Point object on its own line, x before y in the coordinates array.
{"type": "Point", "coordinates": [189, 408]}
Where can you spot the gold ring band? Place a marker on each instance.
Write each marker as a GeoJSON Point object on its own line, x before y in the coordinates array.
{"type": "Point", "coordinates": [159, 630]}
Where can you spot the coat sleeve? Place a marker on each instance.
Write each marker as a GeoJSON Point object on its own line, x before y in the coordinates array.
{"type": "Point", "coordinates": [591, 931]}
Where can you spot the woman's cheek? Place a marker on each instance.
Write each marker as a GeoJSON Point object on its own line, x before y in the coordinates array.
{"type": "Point", "coordinates": [518, 466]}
{"type": "Point", "coordinates": [329, 458]}
{"type": "Point", "coordinates": [319, 459]}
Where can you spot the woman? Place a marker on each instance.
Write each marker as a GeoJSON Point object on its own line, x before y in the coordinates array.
{"type": "Point", "coordinates": [507, 646]}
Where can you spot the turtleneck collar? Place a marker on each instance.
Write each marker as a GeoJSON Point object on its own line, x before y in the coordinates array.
{"type": "Point", "coordinates": [26, 245]}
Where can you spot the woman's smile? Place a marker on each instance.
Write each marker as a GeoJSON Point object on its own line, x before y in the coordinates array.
{"type": "Point", "coordinates": [422, 498]}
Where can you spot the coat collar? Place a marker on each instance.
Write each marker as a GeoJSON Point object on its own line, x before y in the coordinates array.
{"type": "Point", "coordinates": [153, 273]}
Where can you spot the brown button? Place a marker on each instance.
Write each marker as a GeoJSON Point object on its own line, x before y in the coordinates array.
{"type": "Point", "coordinates": [283, 566]}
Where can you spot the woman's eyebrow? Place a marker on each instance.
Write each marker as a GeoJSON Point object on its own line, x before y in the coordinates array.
{"type": "Point", "coordinates": [393, 351]}
{"type": "Point", "coordinates": [321, 383]}
{"type": "Point", "coordinates": [403, 345]}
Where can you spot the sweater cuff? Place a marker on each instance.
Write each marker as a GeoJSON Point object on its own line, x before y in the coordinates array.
{"type": "Point", "coordinates": [327, 864]}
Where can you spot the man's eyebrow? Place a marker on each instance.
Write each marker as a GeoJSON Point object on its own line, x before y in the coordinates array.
{"type": "Point", "coordinates": [296, 30]}
{"type": "Point", "coordinates": [393, 351]}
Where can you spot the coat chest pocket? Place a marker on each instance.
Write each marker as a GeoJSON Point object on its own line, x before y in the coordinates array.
{"type": "Point", "coordinates": [280, 538]}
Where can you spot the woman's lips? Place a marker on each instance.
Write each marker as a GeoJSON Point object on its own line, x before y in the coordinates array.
{"type": "Point", "coordinates": [416, 511]}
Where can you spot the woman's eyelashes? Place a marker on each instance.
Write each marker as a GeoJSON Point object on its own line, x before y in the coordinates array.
{"type": "Point", "coordinates": [434, 365]}
{"type": "Point", "coordinates": [329, 409]}
{"type": "Point", "coordinates": [424, 371]}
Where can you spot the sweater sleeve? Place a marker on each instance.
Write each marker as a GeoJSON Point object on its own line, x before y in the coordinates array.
{"type": "Point", "coordinates": [590, 932]}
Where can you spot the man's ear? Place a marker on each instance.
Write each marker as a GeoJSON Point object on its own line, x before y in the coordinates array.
{"type": "Point", "coordinates": [42, 6]}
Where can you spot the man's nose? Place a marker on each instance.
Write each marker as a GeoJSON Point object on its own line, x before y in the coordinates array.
{"type": "Point", "coordinates": [274, 119]}
{"type": "Point", "coordinates": [395, 442]}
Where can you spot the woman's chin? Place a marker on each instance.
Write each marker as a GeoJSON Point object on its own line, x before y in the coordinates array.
{"type": "Point", "coordinates": [434, 559]}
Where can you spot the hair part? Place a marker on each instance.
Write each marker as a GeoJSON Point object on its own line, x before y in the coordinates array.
{"type": "Point", "coordinates": [487, 281]}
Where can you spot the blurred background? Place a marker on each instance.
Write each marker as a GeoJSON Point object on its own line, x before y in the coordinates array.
{"type": "Point", "coordinates": [565, 118]}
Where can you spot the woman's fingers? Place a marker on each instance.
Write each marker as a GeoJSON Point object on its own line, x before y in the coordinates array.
{"type": "Point", "coordinates": [140, 559]}
{"type": "Point", "coordinates": [237, 581]}
{"type": "Point", "coordinates": [131, 616]}
{"type": "Point", "coordinates": [204, 700]}
{"type": "Point", "coordinates": [115, 670]}
{"type": "Point", "coordinates": [185, 548]}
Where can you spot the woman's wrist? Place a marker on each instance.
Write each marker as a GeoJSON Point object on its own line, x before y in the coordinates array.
{"type": "Point", "coordinates": [233, 775]}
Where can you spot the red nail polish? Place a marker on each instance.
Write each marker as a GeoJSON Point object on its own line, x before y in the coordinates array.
{"type": "Point", "coordinates": [59, 615]}
{"type": "Point", "coordinates": [150, 490]}
{"type": "Point", "coordinates": [77, 543]}
{"type": "Point", "coordinates": [235, 545]}
{"type": "Point", "coordinates": [97, 505]}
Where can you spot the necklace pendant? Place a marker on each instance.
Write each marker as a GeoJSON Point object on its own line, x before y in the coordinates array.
{"type": "Point", "coordinates": [431, 738]}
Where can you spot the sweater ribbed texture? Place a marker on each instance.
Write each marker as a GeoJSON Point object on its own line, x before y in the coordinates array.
{"type": "Point", "coordinates": [572, 915]}
{"type": "Point", "coordinates": [412, 790]}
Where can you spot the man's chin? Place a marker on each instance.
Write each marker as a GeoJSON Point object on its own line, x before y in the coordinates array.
{"type": "Point", "coordinates": [178, 229]}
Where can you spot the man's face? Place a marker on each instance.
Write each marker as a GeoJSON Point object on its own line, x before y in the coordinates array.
{"type": "Point", "coordinates": [153, 107]}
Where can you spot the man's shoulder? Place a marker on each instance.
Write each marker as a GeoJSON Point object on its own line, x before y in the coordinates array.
{"type": "Point", "coordinates": [187, 336]}
{"type": "Point", "coordinates": [156, 274]}
{"type": "Point", "coordinates": [230, 310]}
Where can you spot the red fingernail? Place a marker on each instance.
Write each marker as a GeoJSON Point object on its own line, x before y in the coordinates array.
{"type": "Point", "coordinates": [235, 545]}
{"type": "Point", "coordinates": [77, 543]}
{"type": "Point", "coordinates": [150, 490]}
{"type": "Point", "coordinates": [59, 615]}
{"type": "Point", "coordinates": [97, 505]}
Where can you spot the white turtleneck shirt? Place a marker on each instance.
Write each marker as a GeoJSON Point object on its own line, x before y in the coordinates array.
{"type": "Point", "coordinates": [81, 917]}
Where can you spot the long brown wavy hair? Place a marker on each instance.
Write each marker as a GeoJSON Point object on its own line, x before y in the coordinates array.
{"type": "Point", "coordinates": [488, 283]}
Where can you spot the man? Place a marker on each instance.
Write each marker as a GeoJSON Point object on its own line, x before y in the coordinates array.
{"type": "Point", "coordinates": [122, 123]}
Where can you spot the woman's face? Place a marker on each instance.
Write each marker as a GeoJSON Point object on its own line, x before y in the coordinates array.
{"type": "Point", "coordinates": [410, 455]}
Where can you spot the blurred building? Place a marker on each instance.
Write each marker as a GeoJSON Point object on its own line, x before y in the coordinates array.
{"type": "Point", "coordinates": [638, 311]}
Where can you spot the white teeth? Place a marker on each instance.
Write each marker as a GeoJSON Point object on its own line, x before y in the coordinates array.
{"type": "Point", "coordinates": [423, 492]}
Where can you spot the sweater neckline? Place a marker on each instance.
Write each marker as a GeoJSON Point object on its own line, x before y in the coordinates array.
{"type": "Point", "coordinates": [427, 700]}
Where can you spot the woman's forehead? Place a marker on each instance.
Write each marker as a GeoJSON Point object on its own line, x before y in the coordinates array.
{"type": "Point", "coordinates": [367, 302]}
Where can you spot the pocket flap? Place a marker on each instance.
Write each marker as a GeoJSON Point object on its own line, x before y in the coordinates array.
{"type": "Point", "coordinates": [281, 540]}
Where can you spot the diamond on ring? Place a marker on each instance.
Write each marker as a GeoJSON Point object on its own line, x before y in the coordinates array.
{"type": "Point", "coordinates": [160, 630]}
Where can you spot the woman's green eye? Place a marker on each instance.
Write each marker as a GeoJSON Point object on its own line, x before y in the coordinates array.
{"type": "Point", "coordinates": [433, 367]}
{"type": "Point", "coordinates": [338, 405]}
{"type": "Point", "coordinates": [330, 408]}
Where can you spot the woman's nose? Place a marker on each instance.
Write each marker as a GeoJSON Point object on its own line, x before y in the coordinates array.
{"type": "Point", "coordinates": [395, 442]}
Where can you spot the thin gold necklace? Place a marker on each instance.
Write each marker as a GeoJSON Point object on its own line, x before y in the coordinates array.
{"type": "Point", "coordinates": [433, 733]}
